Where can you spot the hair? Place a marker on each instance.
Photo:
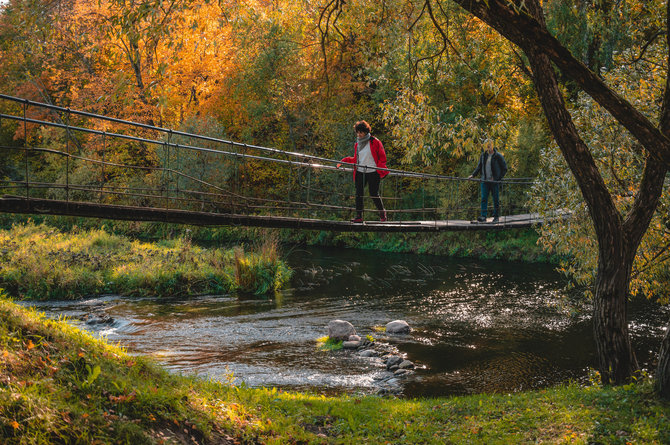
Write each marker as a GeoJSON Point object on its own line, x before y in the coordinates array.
{"type": "Point", "coordinates": [362, 126]}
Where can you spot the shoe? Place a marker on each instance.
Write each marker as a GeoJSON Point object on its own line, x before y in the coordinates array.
{"type": "Point", "coordinates": [357, 220]}
{"type": "Point", "coordinates": [495, 220]}
{"type": "Point", "coordinates": [481, 219]}
{"type": "Point", "coordinates": [382, 216]}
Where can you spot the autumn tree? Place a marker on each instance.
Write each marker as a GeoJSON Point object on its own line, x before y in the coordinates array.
{"type": "Point", "coordinates": [618, 235]}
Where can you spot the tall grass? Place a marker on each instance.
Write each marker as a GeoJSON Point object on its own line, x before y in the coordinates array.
{"type": "Point", "coordinates": [261, 271]}
{"type": "Point", "coordinates": [40, 262]}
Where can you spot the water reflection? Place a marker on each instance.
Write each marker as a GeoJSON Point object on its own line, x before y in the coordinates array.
{"type": "Point", "coordinates": [478, 326]}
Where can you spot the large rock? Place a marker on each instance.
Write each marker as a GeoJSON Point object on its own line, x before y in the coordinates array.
{"type": "Point", "coordinates": [340, 330]}
{"type": "Point", "coordinates": [398, 327]}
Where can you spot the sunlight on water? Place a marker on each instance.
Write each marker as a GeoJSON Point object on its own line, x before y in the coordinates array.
{"type": "Point", "coordinates": [477, 326]}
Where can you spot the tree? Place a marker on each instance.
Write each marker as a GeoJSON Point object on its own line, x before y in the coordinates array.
{"type": "Point", "coordinates": [522, 22]}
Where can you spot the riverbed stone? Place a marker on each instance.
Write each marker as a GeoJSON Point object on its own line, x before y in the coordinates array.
{"type": "Point", "coordinates": [406, 364]}
{"type": "Point", "coordinates": [351, 344]}
{"type": "Point", "coordinates": [97, 319]}
{"type": "Point", "coordinates": [398, 327]}
{"type": "Point", "coordinates": [369, 353]}
{"type": "Point", "coordinates": [393, 360]}
{"type": "Point", "coordinates": [340, 330]}
{"type": "Point", "coordinates": [355, 338]}
{"type": "Point", "coordinates": [399, 372]}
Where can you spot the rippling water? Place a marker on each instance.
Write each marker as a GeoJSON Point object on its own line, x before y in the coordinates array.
{"type": "Point", "coordinates": [478, 326]}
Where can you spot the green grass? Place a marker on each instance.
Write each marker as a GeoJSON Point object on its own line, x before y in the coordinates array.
{"type": "Point", "coordinates": [510, 245]}
{"type": "Point", "coordinates": [329, 344]}
{"type": "Point", "coordinates": [61, 385]}
{"type": "Point", "coordinates": [41, 262]}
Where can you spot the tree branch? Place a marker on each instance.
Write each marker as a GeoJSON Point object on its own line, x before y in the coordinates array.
{"type": "Point", "coordinates": [513, 21]}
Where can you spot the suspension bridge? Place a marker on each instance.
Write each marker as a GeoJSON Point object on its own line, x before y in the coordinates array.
{"type": "Point", "coordinates": [76, 163]}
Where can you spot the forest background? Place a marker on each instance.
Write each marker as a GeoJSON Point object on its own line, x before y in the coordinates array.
{"type": "Point", "coordinates": [431, 79]}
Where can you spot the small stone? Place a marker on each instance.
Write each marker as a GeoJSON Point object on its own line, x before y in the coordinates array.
{"type": "Point", "coordinates": [351, 344]}
{"type": "Point", "coordinates": [96, 319]}
{"type": "Point", "coordinates": [406, 364]}
{"type": "Point", "coordinates": [369, 353]}
{"type": "Point", "coordinates": [400, 372]}
{"type": "Point", "coordinates": [393, 368]}
{"type": "Point", "coordinates": [393, 360]}
{"type": "Point", "coordinates": [354, 338]}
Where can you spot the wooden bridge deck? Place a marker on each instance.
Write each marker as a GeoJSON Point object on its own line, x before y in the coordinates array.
{"type": "Point", "coordinates": [16, 204]}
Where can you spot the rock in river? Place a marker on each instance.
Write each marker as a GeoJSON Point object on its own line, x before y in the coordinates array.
{"type": "Point", "coordinates": [398, 327]}
{"type": "Point", "coordinates": [340, 330]}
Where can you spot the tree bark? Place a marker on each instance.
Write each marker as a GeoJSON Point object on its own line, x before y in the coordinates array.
{"type": "Point", "coordinates": [663, 370]}
{"type": "Point", "coordinates": [616, 357]}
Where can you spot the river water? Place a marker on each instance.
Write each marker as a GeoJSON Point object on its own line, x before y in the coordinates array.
{"type": "Point", "coordinates": [478, 326]}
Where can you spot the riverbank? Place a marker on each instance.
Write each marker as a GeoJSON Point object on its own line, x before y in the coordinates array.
{"type": "Point", "coordinates": [41, 262]}
{"type": "Point", "coordinates": [514, 245]}
{"type": "Point", "coordinates": [59, 384]}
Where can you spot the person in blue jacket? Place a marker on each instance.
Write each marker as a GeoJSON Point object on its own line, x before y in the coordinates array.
{"type": "Point", "coordinates": [493, 168]}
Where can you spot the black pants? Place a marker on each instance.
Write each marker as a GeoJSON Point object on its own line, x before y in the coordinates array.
{"type": "Point", "coordinates": [373, 180]}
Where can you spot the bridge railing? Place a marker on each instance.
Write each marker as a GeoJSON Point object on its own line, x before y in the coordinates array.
{"type": "Point", "coordinates": [76, 156]}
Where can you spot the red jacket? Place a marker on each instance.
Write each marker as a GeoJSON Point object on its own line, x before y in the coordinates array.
{"type": "Point", "coordinates": [378, 154]}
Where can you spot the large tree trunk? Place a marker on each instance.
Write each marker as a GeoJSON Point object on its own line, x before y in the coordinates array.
{"type": "Point", "coordinates": [616, 357]}
{"type": "Point", "coordinates": [663, 370]}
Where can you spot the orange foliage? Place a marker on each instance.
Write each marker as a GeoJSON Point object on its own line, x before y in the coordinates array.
{"type": "Point", "coordinates": [148, 61]}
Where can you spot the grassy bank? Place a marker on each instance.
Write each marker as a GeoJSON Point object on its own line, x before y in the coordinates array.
{"type": "Point", "coordinates": [59, 385]}
{"type": "Point", "coordinates": [41, 262]}
{"type": "Point", "coordinates": [513, 245]}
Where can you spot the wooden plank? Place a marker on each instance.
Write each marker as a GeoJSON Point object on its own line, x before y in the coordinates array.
{"type": "Point", "coordinates": [17, 204]}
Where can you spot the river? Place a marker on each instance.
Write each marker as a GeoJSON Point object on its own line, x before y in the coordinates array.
{"type": "Point", "coordinates": [477, 326]}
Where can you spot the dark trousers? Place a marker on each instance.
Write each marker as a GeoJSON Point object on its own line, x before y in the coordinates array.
{"type": "Point", "coordinates": [373, 180]}
{"type": "Point", "coordinates": [491, 187]}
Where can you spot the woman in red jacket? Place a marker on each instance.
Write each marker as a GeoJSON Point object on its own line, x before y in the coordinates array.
{"type": "Point", "coordinates": [369, 157]}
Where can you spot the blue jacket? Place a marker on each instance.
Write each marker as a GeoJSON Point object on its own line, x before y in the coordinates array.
{"type": "Point", "coordinates": [498, 166]}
